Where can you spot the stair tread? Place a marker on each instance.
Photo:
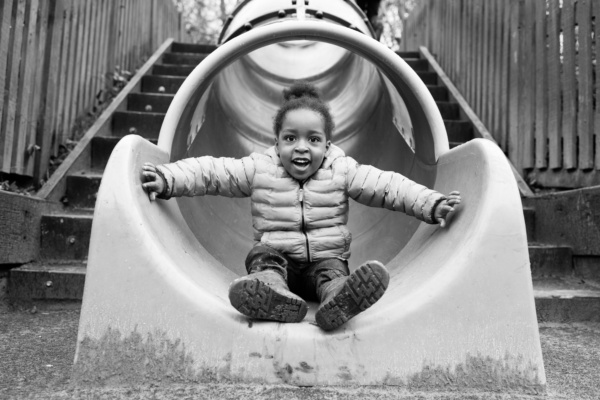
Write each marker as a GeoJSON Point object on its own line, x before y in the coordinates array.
{"type": "Point", "coordinates": [58, 268]}
{"type": "Point", "coordinates": [81, 213]}
{"type": "Point", "coordinates": [565, 288]}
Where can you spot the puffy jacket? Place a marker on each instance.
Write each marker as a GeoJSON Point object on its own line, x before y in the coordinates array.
{"type": "Point", "coordinates": [306, 221]}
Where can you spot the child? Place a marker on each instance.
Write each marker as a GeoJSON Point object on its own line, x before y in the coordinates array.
{"type": "Point", "coordinates": [299, 192]}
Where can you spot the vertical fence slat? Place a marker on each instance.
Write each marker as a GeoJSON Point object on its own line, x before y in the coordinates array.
{"type": "Point", "coordinates": [527, 84]}
{"type": "Point", "coordinates": [569, 89]}
{"type": "Point", "coordinates": [514, 149]}
{"type": "Point", "coordinates": [22, 153]}
{"type": "Point", "coordinates": [51, 66]}
{"type": "Point", "coordinates": [485, 65]}
{"type": "Point", "coordinates": [541, 86]}
{"type": "Point", "coordinates": [14, 91]}
{"type": "Point", "coordinates": [496, 103]}
{"type": "Point", "coordinates": [63, 78]}
{"type": "Point", "coordinates": [554, 86]}
{"type": "Point", "coordinates": [584, 81]}
{"type": "Point", "coordinates": [5, 35]}
{"type": "Point", "coordinates": [596, 11]}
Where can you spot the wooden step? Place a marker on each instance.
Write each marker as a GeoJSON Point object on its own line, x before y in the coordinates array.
{"type": "Point", "coordinates": [82, 189]}
{"type": "Point", "coordinates": [161, 84]}
{"type": "Point", "coordinates": [102, 147]}
{"type": "Point", "coordinates": [566, 300]}
{"type": "Point", "coordinates": [145, 124]}
{"type": "Point", "coordinates": [449, 111]}
{"type": "Point", "coordinates": [183, 58]}
{"type": "Point", "coordinates": [149, 102]}
{"type": "Point", "coordinates": [409, 54]}
{"type": "Point", "coordinates": [173, 69]}
{"type": "Point", "coordinates": [428, 78]}
{"type": "Point", "coordinates": [550, 261]}
{"type": "Point", "coordinates": [556, 300]}
{"type": "Point", "coordinates": [65, 236]}
{"type": "Point", "coordinates": [529, 215]}
{"type": "Point", "coordinates": [178, 47]}
{"type": "Point", "coordinates": [459, 131]}
{"type": "Point", "coordinates": [439, 93]}
{"type": "Point", "coordinates": [47, 281]}
{"type": "Point", "coordinates": [417, 64]}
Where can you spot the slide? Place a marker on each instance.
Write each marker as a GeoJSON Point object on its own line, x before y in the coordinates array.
{"type": "Point", "coordinates": [459, 312]}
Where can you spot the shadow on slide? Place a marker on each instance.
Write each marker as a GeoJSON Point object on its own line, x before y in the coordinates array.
{"type": "Point", "coordinates": [459, 312]}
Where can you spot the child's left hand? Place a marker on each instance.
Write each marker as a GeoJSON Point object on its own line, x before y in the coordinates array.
{"type": "Point", "coordinates": [446, 207]}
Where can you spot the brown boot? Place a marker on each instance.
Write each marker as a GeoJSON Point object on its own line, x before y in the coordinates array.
{"type": "Point", "coordinates": [265, 295]}
{"type": "Point", "coordinates": [344, 298]}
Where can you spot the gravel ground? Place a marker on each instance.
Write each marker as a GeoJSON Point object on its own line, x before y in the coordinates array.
{"type": "Point", "coordinates": [37, 348]}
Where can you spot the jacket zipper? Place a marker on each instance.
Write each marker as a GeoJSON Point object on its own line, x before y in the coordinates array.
{"type": "Point", "coordinates": [303, 222]}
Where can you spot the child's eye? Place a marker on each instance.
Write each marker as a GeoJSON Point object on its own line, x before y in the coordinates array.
{"type": "Point", "coordinates": [314, 139]}
{"type": "Point", "coordinates": [289, 138]}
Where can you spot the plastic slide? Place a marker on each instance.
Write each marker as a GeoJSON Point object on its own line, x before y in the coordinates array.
{"type": "Point", "coordinates": [459, 312]}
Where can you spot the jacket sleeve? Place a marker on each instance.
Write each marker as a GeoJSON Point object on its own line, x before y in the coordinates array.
{"type": "Point", "coordinates": [376, 188]}
{"type": "Point", "coordinates": [207, 175]}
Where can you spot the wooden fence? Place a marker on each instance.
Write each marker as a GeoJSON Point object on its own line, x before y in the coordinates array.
{"type": "Point", "coordinates": [57, 57]}
{"type": "Point", "coordinates": [528, 68]}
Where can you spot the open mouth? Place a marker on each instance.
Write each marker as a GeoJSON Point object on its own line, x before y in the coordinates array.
{"type": "Point", "coordinates": [301, 162]}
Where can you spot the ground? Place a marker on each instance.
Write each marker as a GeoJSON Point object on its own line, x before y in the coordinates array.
{"type": "Point", "coordinates": [38, 346]}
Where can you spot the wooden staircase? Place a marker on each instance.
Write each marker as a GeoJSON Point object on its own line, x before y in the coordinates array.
{"type": "Point", "coordinates": [59, 273]}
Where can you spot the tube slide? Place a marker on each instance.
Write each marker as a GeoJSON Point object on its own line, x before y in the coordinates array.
{"type": "Point", "coordinates": [459, 312]}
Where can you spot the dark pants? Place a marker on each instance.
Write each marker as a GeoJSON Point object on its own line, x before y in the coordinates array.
{"type": "Point", "coordinates": [306, 279]}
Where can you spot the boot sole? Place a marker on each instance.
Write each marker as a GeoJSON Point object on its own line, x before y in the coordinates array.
{"type": "Point", "coordinates": [364, 287]}
{"type": "Point", "coordinates": [255, 299]}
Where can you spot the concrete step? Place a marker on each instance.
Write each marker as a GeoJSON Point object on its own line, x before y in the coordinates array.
{"type": "Point", "coordinates": [172, 69]}
{"type": "Point", "coordinates": [82, 189]}
{"type": "Point", "coordinates": [65, 236]}
{"type": "Point", "coordinates": [139, 123]}
{"type": "Point", "coordinates": [149, 102]}
{"type": "Point", "coordinates": [47, 281]}
{"type": "Point", "coordinates": [459, 131]}
{"type": "Point", "coordinates": [183, 58]}
{"type": "Point", "coordinates": [102, 147]}
{"type": "Point", "coordinates": [178, 47]}
{"type": "Point", "coordinates": [161, 84]}
{"type": "Point", "coordinates": [550, 261]}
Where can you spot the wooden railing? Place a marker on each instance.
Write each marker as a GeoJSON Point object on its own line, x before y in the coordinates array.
{"type": "Point", "coordinates": [528, 68]}
{"type": "Point", "coordinates": [58, 57]}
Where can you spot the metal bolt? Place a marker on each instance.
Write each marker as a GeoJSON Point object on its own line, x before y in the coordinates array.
{"type": "Point", "coordinates": [48, 283]}
{"type": "Point", "coordinates": [281, 13]}
{"type": "Point", "coordinates": [148, 107]}
{"type": "Point", "coordinates": [161, 89]}
{"type": "Point", "coordinates": [319, 14]}
{"type": "Point", "coordinates": [133, 130]}
{"type": "Point", "coordinates": [71, 239]}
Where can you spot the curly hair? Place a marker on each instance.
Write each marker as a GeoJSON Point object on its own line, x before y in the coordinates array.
{"type": "Point", "coordinates": [304, 95]}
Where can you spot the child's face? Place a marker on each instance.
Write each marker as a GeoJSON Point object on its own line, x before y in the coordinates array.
{"type": "Point", "coordinates": [302, 143]}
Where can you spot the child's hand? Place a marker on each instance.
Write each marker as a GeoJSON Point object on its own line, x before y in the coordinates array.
{"type": "Point", "coordinates": [446, 207]}
{"type": "Point", "coordinates": [153, 183]}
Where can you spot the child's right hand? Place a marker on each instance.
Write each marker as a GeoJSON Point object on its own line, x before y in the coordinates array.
{"type": "Point", "coordinates": [153, 183]}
